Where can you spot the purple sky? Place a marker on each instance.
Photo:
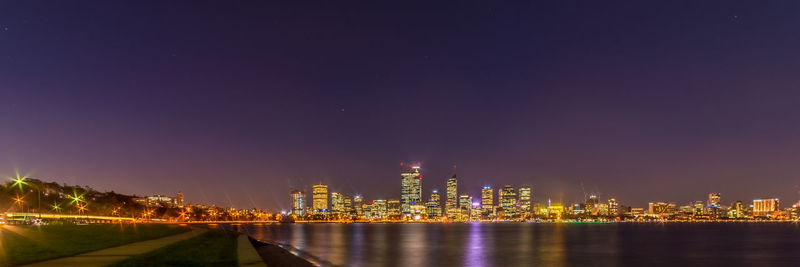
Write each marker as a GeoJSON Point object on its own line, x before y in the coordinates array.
{"type": "Point", "coordinates": [237, 103]}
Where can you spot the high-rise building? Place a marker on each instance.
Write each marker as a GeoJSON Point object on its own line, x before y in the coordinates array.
{"type": "Point", "coordinates": [337, 203]}
{"type": "Point", "coordinates": [487, 201]}
{"type": "Point", "coordinates": [320, 198]}
{"type": "Point", "coordinates": [525, 201]}
{"type": "Point", "coordinates": [451, 204]}
{"type": "Point", "coordinates": [613, 207]}
{"type": "Point", "coordinates": [508, 201]}
{"type": "Point", "coordinates": [464, 202]}
{"type": "Point", "coordinates": [737, 210]}
{"type": "Point", "coordinates": [298, 202]}
{"type": "Point", "coordinates": [713, 199]}
{"type": "Point", "coordinates": [590, 204]}
{"type": "Point", "coordinates": [765, 206]}
{"type": "Point", "coordinates": [411, 189]}
{"type": "Point", "coordinates": [359, 209]}
{"type": "Point", "coordinates": [348, 206]}
{"type": "Point", "coordinates": [179, 199]}
{"type": "Point", "coordinates": [433, 207]}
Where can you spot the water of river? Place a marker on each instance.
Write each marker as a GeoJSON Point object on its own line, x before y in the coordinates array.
{"type": "Point", "coordinates": [529, 244]}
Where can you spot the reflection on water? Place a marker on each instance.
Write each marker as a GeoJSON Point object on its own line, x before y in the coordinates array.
{"type": "Point", "coordinates": [516, 244]}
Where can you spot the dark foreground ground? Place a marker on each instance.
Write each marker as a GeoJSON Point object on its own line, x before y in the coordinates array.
{"type": "Point", "coordinates": [276, 256]}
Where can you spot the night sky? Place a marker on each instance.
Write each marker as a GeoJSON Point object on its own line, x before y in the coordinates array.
{"type": "Point", "coordinates": [238, 103]}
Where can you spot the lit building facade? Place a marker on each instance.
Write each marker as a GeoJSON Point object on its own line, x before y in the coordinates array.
{"type": "Point", "coordinates": [525, 201]}
{"type": "Point", "coordinates": [487, 201]}
{"type": "Point", "coordinates": [765, 206]}
{"type": "Point", "coordinates": [433, 208]}
{"type": "Point", "coordinates": [298, 202]}
{"type": "Point", "coordinates": [508, 201]}
{"type": "Point", "coordinates": [320, 198]}
{"type": "Point", "coordinates": [337, 203]}
{"type": "Point", "coordinates": [451, 204]}
{"type": "Point", "coordinates": [613, 207]}
{"type": "Point", "coordinates": [411, 189]}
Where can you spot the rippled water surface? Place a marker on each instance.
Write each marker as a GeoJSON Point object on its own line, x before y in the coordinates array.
{"type": "Point", "coordinates": [528, 244]}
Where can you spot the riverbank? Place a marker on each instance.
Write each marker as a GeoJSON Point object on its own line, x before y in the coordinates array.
{"type": "Point", "coordinates": [275, 256]}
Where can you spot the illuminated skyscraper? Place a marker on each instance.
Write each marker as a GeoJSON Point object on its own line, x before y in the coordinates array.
{"type": "Point", "coordinates": [590, 204]}
{"type": "Point", "coordinates": [525, 201]}
{"type": "Point", "coordinates": [713, 199]}
{"type": "Point", "coordinates": [379, 209]}
{"type": "Point", "coordinates": [320, 198]}
{"type": "Point", "coordinates": [765, 206]}
{"type": "Point", "coordinates": [348, 205]}
{"type": "Point", "coordinates": [613, 207]}
{"type": "Point", "coordinates": [411, 189]}
{"type": "Point", "coordinates": [451, 203]}
{"type": "Point", "coordinates": [433, 207]}
{"type": "Point", "coordinates": [337, 203]}
{"type": "Point", "coordinates": [508, 202]}
{"type": "Point", "coordinates": [298, 202]}
{"type": "Point", "coordinates": [487, 201]}
{"type": "Point", "coordinates": [357, 201]}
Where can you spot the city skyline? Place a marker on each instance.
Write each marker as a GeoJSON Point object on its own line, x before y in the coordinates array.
{"type": "Point", "coordinates": [234, 103]}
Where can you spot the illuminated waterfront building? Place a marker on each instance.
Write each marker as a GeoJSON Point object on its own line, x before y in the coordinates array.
{"type": "Point", "coordinates": [577, 208]}
{"type": "Point", "coordinates": [712, 205]}
{"type": "Point", "coordinates": [411, 189]}
{"type": "Point", "coordinates": [602, 209]}
{"type": "Point", "coordinates": [348, 205]}
{"type": "Point", "coordinates": [508, 201]}
{"type": "Point", "coordinates": [320, 198]}
{"type": "Point", "coordinates": [393, 208]}
{"type": "Point", "coordinates": [378, 209]}
{"type": "Point", "coordinates": [636, 212]}
{"type": "Point", "coordinates": [433, 207]}
{"type": "Point", "coordinates": [487, 201]}
{"type": "Point", "coordinates": [525, 201]}
{"type": "Point", "coordinates": [298, 202]}
{"type": "Point", "coordinates": [337, 203]}
{"type": "Point", "coordinates": [699, 208]}
{"type": "Point", "coordinates": [661, 208]}
{"type": "Point", "coordinates": [613, 207]}
{"type": "Point", "coordinates": [589, 204]}
{"type": "Point", "coordinates": [765, 206]}
{"type": "Point", "coordinates": [451, 203]}
{"type": "Point", "coordinates": [358, 205]}
{"type": "Point", "coordinates": [737, 210]}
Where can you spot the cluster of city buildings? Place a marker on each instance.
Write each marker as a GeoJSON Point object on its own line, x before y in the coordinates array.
{"type": "Point", "coordinates": [508, 203]}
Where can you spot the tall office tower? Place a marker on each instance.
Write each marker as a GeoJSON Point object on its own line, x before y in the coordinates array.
{"type": "Point", "coordinates": [699, 208]}
{"type": "Point", "coordinates": [487, 201]}
{"type": "Point", "coordinates": [433, 207]}
{"type": "Point", "coordinates": [411, 189]}
{"type": "Point", "coordinates": [320, 198]}
{"type": "Point", "coordinates": [713, 199]}
{"type": "Point", "coordinates": [451, 204]}
{"type": "Point", "coordinates": [298, 202]}
{"type": "Point", "coordinates": [348, 205]}
{"type": "Point", "coordinates": [337, 203]}
{"type": "Point", "coordinates": [713, 208]}
{"type": "Point", "coordinates": [464, 202]}
{"type": "Point", "coordinates": [508, 202]}
{"type": "Point", "coordinates": [765, 206]}
{"type": "Point", "coordinates": [590, 204]}
{"type": "Point", "coordinates": [357, 201]}
{"type": "Point", "coordinates": [179, 199]}
{"type": "Point", "coordinates": [525, 201]}
{"type": "Point", "coordinates": [613, 207]}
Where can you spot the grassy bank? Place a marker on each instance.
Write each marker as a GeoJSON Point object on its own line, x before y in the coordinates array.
{"type": "Point", "coordinates": [213, 248]}
{"type": "Point", "coordinates": [26, 244]}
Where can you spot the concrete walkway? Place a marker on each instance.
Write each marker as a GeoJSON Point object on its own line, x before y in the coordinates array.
{"type": "Point", "coordinates": [108, 256]}
{"type": "Point", "coordinates": [248, 256]}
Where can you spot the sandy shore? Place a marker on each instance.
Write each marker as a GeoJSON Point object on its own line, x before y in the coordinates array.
{"type": "Point", "coordinates": [276, 256]}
